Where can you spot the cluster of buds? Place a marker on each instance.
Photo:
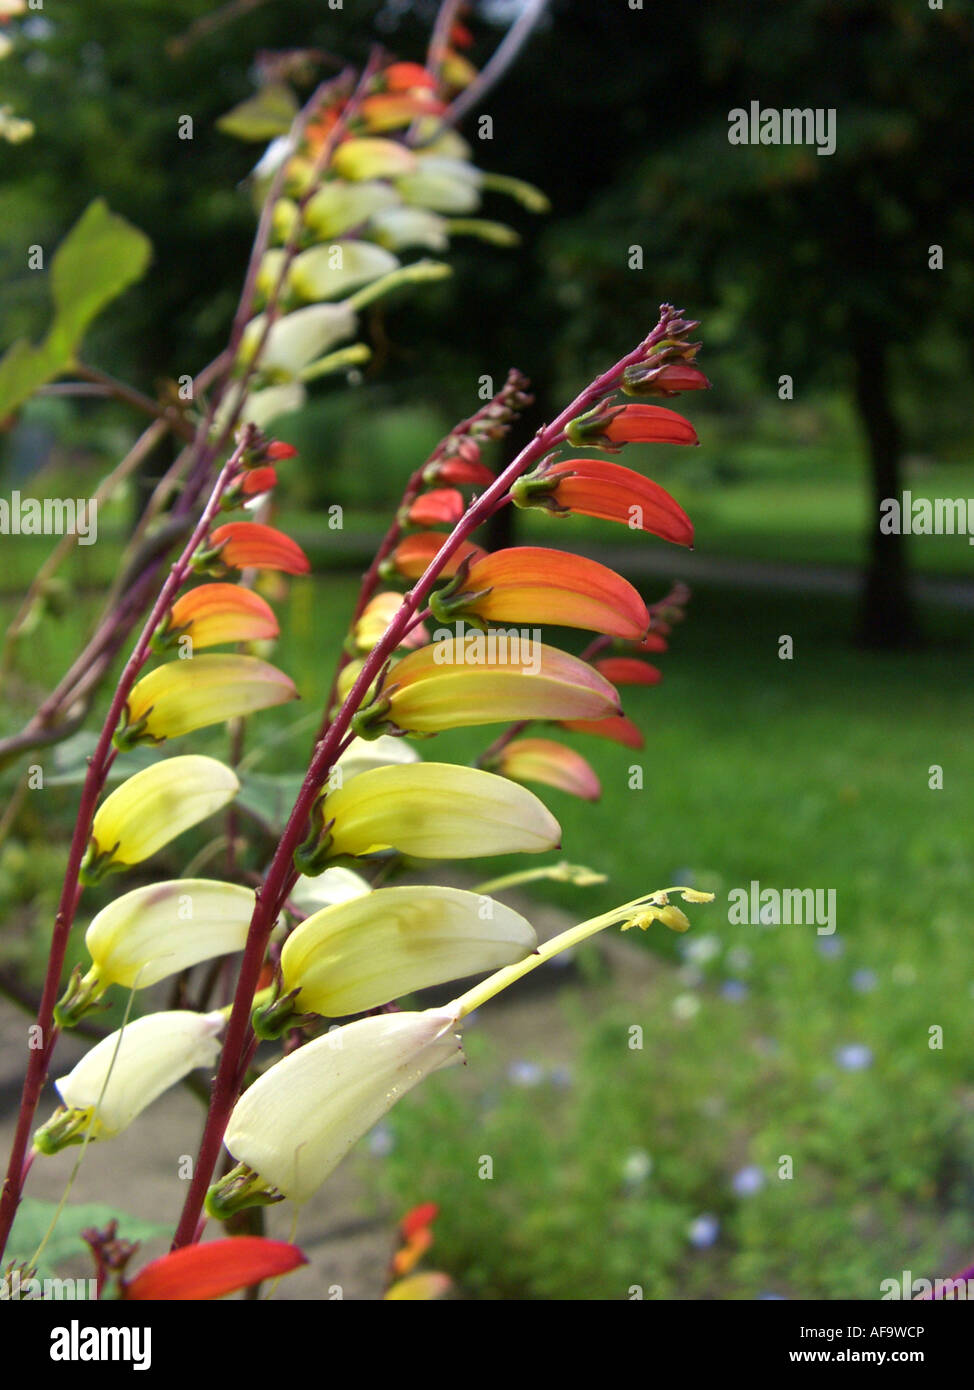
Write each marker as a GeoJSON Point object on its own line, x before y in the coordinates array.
{"type": "Point", "coordinates": [377, 175]}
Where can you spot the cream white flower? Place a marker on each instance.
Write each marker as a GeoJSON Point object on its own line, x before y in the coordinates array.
{"type": "Point", "coordinates": [138, 1063]}
{"type": "Point", "coordinates": [335, 885]}
{"type": "Point", "coordinates": [299, 1120]}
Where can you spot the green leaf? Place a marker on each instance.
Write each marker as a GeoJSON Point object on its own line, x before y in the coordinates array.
{"type": "Point", "coordinates": [99, 258]}
{"type": "Point", "coordinates": [23, 368]}
{"type": "Point", "coordinates": [263, 116]}
{"type": "Point", "coordinates": [34, 1217]}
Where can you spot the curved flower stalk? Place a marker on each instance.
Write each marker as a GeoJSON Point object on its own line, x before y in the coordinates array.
{"type": "Point", "coordinates": [295, 1124]}
{"type": "Point", "coordinates": [127, 1071]}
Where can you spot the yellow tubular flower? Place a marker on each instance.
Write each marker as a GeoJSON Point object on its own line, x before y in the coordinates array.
{"type": "Point", "coordinates": [364, 952]}
{"type": "Point", "coordinates": [185, 695]}
{"type": "Point", "coordinates": [159, 930]}
{"type": "Point", "coordinates": [437, 811]}
{"type": "Point", "coordinates": [153, 807]}
{"type": "Point", "coordinates": [490, 679]}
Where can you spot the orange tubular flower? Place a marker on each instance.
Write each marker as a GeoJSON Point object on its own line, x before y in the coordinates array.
{"type": "Point", "coordinates": [596, 487]}
{"type": "Point", "coordinates": [412, 555]}
{"type": "Point", "coordinates": [668, 380]}
{"type": "Point", "coordinates": [459, 470]}
{"type": "Point", "coordinates": [278, 451]}
{"type": "Point", "coordinates": [216, 613]}
{"type": "Point", "coordinates": [209, 1271]}
{"type": "Point", "coordinates": [393, 110]}
{"type": "Point", "coordinates": [617, 729]}
{"type": "Point", "coordinates": [529, 584]}
{"type": "Point", "coordinates": [404, 77]}
{"type": "Point", "coordinates": [444, 506]}
{"type": "Point", "coordinates": [258, 480]}
{"type": "Point", "coordinates": [543, 760]}
{"type": "Point", "coordinates": [627, 670]}
{"type": "Point", "coordinates": [649, 424]}
{"type": "Point", "coordinates": [248, 544]}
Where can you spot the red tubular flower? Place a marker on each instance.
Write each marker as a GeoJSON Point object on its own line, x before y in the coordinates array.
{"type": "Point", "coordinates": [209, 1271]}
{"type": "Point", "coordinates": [249, 545]}
{"type": "Point", "coordinates": [616, 728]}
{"type": "Point", "coordinates": [544, 760]}
{"type": "Point", "coordinates": [649, 424]}
{"type": "Point", "coordinates": [596, 487]}
{"type": "Point", "coordinates": [258, 480]}
{"type": "Point", "coordinates": [412, 555]}
{"type": "Point", "coordinates": [528, 584]}
{"type": "Point", "coordinates": [444, 506]}
{"type": "Point", "coordinates": [459, 470]}
{"type": "Point", "coordinates": [277, 451]}
{"type": "Point", "coordinates": [417, 1218]}
{"type": "Point", "coordinates": [654, 641]}
{"type": "Point", "coordinates": [668, 380]}
{"type": "Point", "coordinates": [627, 670]}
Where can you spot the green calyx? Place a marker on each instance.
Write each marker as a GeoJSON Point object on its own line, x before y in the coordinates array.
{"type": "Point", "coordinates": [241, 1188]}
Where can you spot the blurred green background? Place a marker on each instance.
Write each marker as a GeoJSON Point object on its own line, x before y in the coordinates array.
{"type": "Point", "coordinates": [815, 771]}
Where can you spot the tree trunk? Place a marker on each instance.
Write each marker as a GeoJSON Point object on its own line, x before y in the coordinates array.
{"type": "Point", "coordinates": [887, 618]}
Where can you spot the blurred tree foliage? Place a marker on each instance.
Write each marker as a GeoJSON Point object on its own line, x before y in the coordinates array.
{"type": "Point", "coordinates": [814, 266]}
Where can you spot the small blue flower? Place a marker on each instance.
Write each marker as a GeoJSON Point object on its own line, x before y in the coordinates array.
{"type": "Point", "coordinates": [830, 946]}
{"type": "Point", "coordinates": [854, 1057]}
{"type": "Point", "coordinates": [746, 1181]}
{"type": "Point", "coordinates": [864, 981]}
{"type": "Point", "coordinates": [734, 990]}
{"type": "Point", "coordinates": [381, 1142]}
{"type": "Point", "coordinates": [703, 1231]}
{"type": "Point", "coordinates": [525, 1074]}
